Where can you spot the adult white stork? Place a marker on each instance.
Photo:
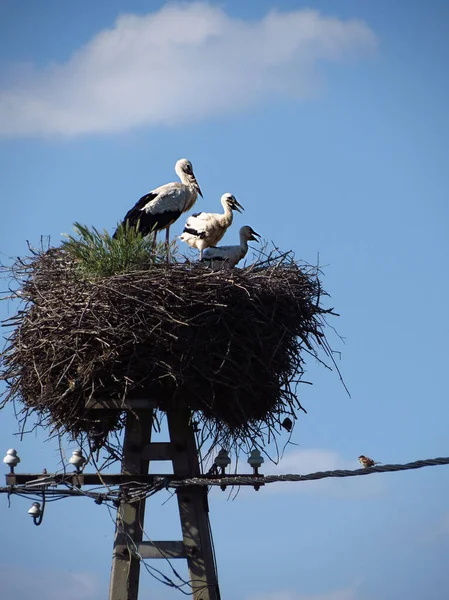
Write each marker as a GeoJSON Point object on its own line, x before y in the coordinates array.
{"type": "Point", "coordinates": [203, 230]}
{"type": "Point", "coordinates": [161, 207]}
{"type": "Point", "coordinates": [229, 256]}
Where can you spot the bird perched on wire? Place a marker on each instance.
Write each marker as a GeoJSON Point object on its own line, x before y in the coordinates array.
{"type": "Point", "coordinates": [229, 256]}
{"type": "Point", "coordinates": [367, 462]}
{"type": "Point", "coordinates": [161, 207]}
{"type": "Point", "coordinates": [203, 229]}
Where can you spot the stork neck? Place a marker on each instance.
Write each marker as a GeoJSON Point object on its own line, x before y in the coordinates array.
{"type": "Point", "coordinates": [228, 214]}
{"type": "Point", "coordinates": [191, 196]}
{"type": "Point", "coordinates": [244, 243]}
{"type": "Point", "coordinates": [186, 180]}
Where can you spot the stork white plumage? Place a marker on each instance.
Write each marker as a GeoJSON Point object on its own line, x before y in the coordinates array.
{"type": "Point", "coordinates": [203, 229]}
{"type": "Point", "coordinates": [161, 207]}
{"type": "Point", "coordinates": [229, 256]}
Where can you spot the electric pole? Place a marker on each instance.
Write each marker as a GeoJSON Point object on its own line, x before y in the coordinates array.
{"type": "Point", "coordinates": [196, 546]}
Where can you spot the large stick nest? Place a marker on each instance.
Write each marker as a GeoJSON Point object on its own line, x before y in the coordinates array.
{"type": "Point", "coordinates": [228, 345]}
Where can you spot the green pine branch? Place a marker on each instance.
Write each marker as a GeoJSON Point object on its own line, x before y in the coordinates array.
{"type": "Point", "coordinates": [98, 254]}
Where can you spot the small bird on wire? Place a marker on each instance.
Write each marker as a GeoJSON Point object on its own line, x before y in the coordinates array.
{"type": "Point", "coordinates": [161, 207]}
{"type": "Point", "coordinates": [229, 256]}
{"type": "Point", "coordinates": [203, 230]}
{"type": "Point", "coordinates": [367, 462]}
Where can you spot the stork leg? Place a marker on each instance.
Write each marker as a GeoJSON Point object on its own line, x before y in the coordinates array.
{"type": "Point", "coordinates": [201, 254]}
{"type": "Point", "coordinates": [167, 242]}
{"type": "Point", "coordinates": [153, 247]}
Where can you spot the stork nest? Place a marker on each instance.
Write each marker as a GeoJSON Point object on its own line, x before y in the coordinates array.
{"type": "Point", "coordinates": [229, 345]}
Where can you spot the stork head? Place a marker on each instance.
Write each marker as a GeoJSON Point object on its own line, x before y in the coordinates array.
{"type": "Point", "coordinates": [247, 233]}
{"type": "Point", "coordinates": [231, 201]}
{"type": "Point", "coordinates": [184, 170]}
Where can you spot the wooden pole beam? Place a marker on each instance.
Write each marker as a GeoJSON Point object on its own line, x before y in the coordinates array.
{"type": "Point", "coordinates": [125, 572]}
{"type": "Point", "coordinates": [162, 550]}
{"type": "Point", "coordinates": [193, 509]}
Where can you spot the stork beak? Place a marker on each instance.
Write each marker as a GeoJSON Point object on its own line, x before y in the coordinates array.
{"type": "Point", "coordinates": [257, 235]}
{"type": "Point", "coordinates": [197, 187]}
{"type": "Point", "coordinates": [237, 206]}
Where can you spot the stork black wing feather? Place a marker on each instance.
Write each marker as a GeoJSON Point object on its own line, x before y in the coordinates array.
{"type": "Point", "coordinates": [136, 213]}
{"type": "Point", "coordinates": [214, 258]}
{"type": "Point", "coordinates": [200, 234]}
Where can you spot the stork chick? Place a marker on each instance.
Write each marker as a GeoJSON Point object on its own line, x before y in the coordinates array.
{"type": "Point", "coordinates": [229, 256]}
{"type": "Point", "coordinates": [161, 207]}
{"type": "Point", "coordinates": [203, 230]}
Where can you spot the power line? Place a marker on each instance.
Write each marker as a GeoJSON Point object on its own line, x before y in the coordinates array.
{"type": "Point", "coordinates": [120, 493]}
{"type": "Point", "coordinates": [264, 479]}
{"type": "Point", "coordinates": [140, 489]}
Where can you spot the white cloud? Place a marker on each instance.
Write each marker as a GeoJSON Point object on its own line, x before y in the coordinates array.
{"type": "Point", "coordinates": [313, 460]}
{"type": "Point", "coordinates": [185, 62]}
{"type": "Point", "coordinates": [22, 583]}
{"type": "Point", "coordinates": [349, 593]}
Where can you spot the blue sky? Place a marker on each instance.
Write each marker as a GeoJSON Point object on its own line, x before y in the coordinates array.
{"type": "Point", "coordinates": [332, 129]}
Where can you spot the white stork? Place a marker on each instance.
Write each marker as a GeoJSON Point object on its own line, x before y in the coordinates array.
{"type": "Point", "coordinates": [229, 256]}
{"type": "Point", "coordinates": [161, 207]}
{"type": "Point", "coordinates": [203, 230]}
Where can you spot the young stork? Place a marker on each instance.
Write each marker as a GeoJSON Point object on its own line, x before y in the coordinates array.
{"type": "Point", "coordinates": [229, 256]}
{"type": "Point", "coordinates": [203, 230]}
{"type": "Point", "coordinates": [161, 207]}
